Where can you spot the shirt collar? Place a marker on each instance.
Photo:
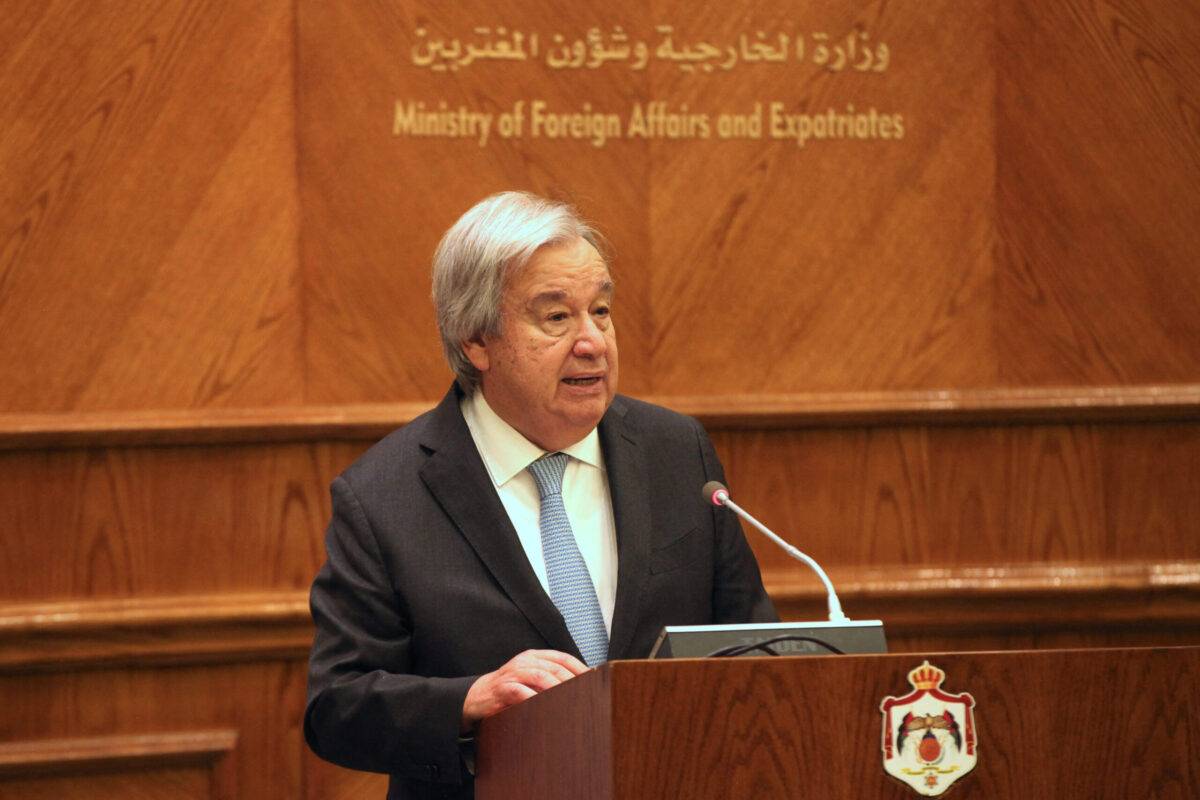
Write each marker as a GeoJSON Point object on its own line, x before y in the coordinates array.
{"type": "Point", "coordinates": [506, 453]}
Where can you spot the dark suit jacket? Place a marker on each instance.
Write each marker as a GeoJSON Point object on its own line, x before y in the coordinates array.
{"type": "Point", "coordinates": [426, 585]}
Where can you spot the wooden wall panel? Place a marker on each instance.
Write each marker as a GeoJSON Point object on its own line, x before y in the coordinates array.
{"type": "Point", "coordinates": [985, 517]}
{"type": "Point", "coordinates": [179, 783]}
{"type": "Point", "coordinates": [163, 765]}
{"type": "Point", "coordinates": [108, 712]}
{"type": "Point", "coordinates": [1030, 229]}
{"type": "Point", "coordinates": [974, 494]}
{"type": "Point", "coordinates": [1098, 159]}
{"type": "Point", "coordinates": [961, 368]}
{"type": "Point", "coordinates": [825, 236]}
{"type": "Point", "coordinates": [375, 206]}
{"type": "Point", "coordinates": [162, 587]}
{"type": "Point", "coordinates": [147, 522]}
{"type": "Point", "coordinates": [148, 212]}
{"type": "Point", "coordinates": [840, 265]}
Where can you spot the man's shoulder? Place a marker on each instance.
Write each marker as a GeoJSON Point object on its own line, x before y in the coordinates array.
{"type": "Point", "coordinates": [398, 453]}
{"type": "Point", "coordinates": [652, 420]}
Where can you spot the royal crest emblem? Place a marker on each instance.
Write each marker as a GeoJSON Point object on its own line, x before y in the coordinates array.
{"type": "Point", "coordinates": [928, 734]}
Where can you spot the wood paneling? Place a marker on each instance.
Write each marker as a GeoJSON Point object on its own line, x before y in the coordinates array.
{"type": "Point", "coordinates": [1097, 165]}
{"type": "Point", "coordinates": [766, 223]}
{"type": "Point", "coordinates": [170, 783]}
{"type": "Point", "coordinates": [149, 522]}
{"type": "Point", "coordinates": [375, 206]}
{"type": "Point", "coordinates": [961, 368]}
{"type": "Point", "coordinates": [139, 631]}
{"type": "Point", "coordinates": [1006, 528]}
{"type": "Point", "coordinates": [148, 218]}
{"type": "Point", "coordinates": [1102, 725]}
{"type": "Point", "coordinates": [135, 521]}
{"type": "Point", "coordinates": [143, 723]}
{"type": "Point", "coordinates": [840, 265]}
{"type": "Point", "coordinates": [1031, 229]}
{"type": "Point", "coordinates": [1115, 602]}
{"type": "Point", "coordinates": [370, 422]}
{"type": "Point", "coordinates": [167, 765]}
{"type": "Point", "coordinates": [973, 494]}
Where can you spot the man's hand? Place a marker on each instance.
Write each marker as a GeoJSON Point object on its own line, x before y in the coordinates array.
{"type": "Point", "coordinates": [521, 678]}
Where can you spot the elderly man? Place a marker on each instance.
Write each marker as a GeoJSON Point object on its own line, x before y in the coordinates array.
{"type": "Point", "coordinates": [534, 524]}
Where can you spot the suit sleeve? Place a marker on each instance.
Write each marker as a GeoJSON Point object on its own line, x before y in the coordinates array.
{"type": "Point", "coordinates": [738, 593]}
{"type": "Point", "coordinates": [365, 710]}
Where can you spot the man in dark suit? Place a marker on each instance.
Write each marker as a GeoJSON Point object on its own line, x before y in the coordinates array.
{"type": "Point", "coordinates": [461, 579]}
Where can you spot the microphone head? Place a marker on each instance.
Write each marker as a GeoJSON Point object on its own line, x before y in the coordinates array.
{"type": "Point", "coordinates": [715, 493]}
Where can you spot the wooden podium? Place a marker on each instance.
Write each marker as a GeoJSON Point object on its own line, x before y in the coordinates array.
{"type": "Point", "coordinates": [1103, 723]}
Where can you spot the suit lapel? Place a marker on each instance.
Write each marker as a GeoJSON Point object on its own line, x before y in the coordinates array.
{"type": "Point", "coordinates": [455, 475]}
{"type": "Point", "coordinates": [628, 484]}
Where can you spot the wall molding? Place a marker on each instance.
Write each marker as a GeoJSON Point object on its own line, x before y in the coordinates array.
{"type": "Point", "coordinates": [1074, 404]}
{"type": "Point", "coordinates": [369, 422]}
{"type": "Point", "coordinates": [1017, 598]}
{"type": "Point", "coordinates": [60, 636]}
{"type": "Point", "coordinates": [54, 636]}
{"type": "Point", "coordinates": [115, 753]}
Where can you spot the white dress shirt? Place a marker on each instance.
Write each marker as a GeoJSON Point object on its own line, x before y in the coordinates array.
{"type": "Point", "coordinates": [506, 455]}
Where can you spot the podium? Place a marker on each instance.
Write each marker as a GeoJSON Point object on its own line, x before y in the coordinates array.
{"type": "Point", "coordinates": [1095, 723]}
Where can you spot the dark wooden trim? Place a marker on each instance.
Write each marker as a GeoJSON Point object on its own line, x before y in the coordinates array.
{"type": "Point", "coordinates": [945, 407]}
{"type": "Point", "coordinates": [1020, 598]}
{"type": "Point", "coordinates": [136, 632]}
{"type": "Point", "coordinates": [117, 752]}
{"type": "Point", "coordinates": [943, 601]}
{"type": "Point", "coordinates": [371, 422]}
{"type": "Point", "coordinates": [205, 426]}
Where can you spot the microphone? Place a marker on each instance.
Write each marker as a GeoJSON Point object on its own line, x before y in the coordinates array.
{"type": "Point", "coordinates": [716, 493]}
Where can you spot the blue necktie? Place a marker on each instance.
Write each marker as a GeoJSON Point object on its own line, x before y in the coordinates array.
{"type": "Point", "coordinates": [570, 584]}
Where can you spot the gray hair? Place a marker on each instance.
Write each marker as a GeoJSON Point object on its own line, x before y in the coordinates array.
{"type": "Point", "coordinates": [480, 253]}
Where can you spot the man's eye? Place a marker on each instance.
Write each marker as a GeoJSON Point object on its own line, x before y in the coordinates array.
{"type": "Point", "coordinates": [558, 316]}
{"type": "Point", "coordinates": [602, 311]}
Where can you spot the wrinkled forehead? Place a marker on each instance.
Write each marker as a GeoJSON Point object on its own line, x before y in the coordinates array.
{"type": "Point", "coordinates": [572, 262]}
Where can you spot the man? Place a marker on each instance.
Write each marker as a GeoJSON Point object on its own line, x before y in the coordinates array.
{"type": "Point", "coordinates": [531, 522]}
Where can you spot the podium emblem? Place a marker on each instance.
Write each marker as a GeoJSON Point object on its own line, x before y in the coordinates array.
{"type": "Point", "coordinates": [928, 734]}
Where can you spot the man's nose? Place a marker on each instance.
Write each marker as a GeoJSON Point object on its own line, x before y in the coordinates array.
{"type": "Point", "coordinates": [590, 342]}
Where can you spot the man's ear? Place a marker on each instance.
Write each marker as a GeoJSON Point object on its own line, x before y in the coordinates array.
{"type": "Point", "coordinates": [476, 352]}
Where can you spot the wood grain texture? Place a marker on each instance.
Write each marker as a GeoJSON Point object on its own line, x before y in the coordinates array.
{"type": "Point", "coordinates": [1009, 240]}
{"type": "Point", "coordinates": [259, 702]}
{"type": "Point", "coordinates": [1120, 724]}
{"type": "Point", "coordinates": [1133, 603]}
{"type": "Point", "coordinates": [840, 265]}
{"type": "Point", "coordinates": [108, 752]}
{"type": "Point", "coordinates": [761, 219]}
{"type": "Point", "coordinates": [881, 506]}
{"type": "Point", "coordinates": [371, 422]}
{"type": "Point", "coordinates": [960, 368]}
{"type": "Point", "coordinates": [1098, 157]}
{"type": "Point", "coordinates": [149, 219]}
{"type": "Point", "coordinates": [170, 783]}
{"type": "Point", "coordinates": [1032, 229]}
{"type": "Point", "coordinates": [972, 494]}
{"type": "Point", "coordinates": [366, 252]}
{"type": "Point", "coordinates": [146, 522]}
{"type": "Point", "coordinates": [219, 628]}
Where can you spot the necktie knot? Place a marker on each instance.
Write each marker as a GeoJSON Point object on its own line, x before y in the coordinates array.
{"type": "Point", "coordinates": [548, 472]}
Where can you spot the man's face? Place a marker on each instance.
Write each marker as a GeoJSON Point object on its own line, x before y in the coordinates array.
{"type": "Point", "coordinates": [552, 372]}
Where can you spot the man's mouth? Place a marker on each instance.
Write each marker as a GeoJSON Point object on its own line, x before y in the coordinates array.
{"type": "Point", "coordinates": [589, 380]}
